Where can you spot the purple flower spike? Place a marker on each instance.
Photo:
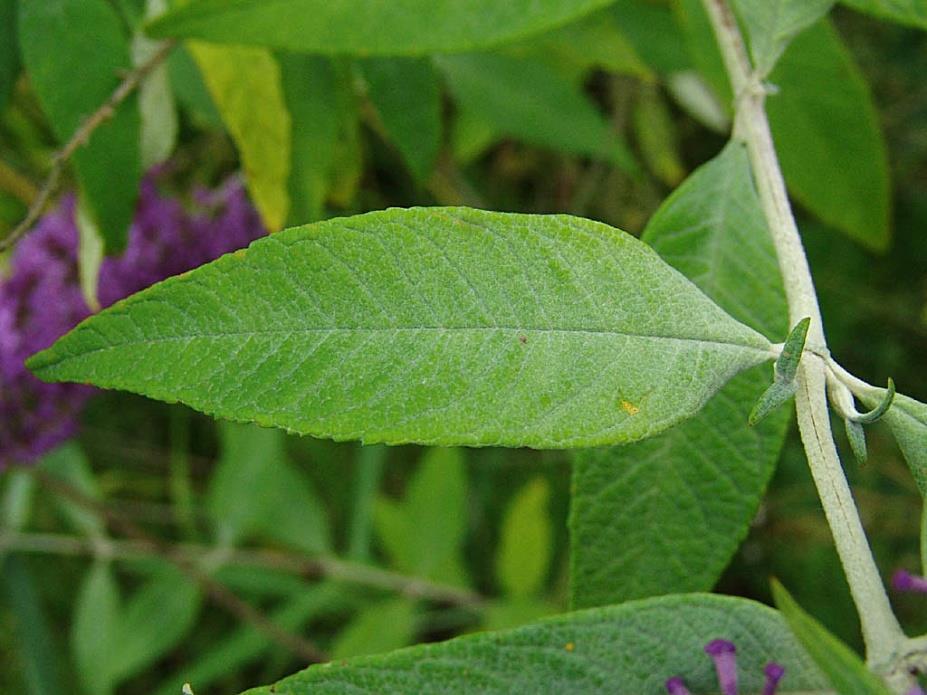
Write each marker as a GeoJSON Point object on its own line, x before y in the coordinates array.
{"type": "Point", "coordinates": [773, 673]}
{"type": "Point", "coordinates": [905, 581]}
{"type": "Point", "coordinates": [724, 654]}
{"type": "Point", "coordinates": [677, 686]}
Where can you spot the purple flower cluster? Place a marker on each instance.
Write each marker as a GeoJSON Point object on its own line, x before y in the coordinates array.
{"type": "Point", "coordinates": [724, 656]}
{"type": "Point", "coordinates": [40, 299]}
{"type": "Point", "coordinates": [903, 580]}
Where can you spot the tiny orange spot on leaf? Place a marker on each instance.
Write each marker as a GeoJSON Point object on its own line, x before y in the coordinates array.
{"type": "Point", "coordinates": [629, 408]}
{"type": "Point", "coordinates": [569, 646]}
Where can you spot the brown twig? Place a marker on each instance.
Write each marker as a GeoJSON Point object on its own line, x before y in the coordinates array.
{"type": "Point", "coordinates": [80, 137]}
{"type": "Point", "coordinates": [216, 591]}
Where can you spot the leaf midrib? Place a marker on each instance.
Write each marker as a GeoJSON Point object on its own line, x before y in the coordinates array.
{"type": "Point", "coordinates": [39, 364]}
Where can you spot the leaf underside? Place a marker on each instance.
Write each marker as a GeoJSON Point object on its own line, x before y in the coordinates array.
{"type": "Point", "coordinates": [431, 325]}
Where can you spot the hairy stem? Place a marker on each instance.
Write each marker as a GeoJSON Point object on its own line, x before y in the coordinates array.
{"type": "Point", "coordinates": [881, 631]}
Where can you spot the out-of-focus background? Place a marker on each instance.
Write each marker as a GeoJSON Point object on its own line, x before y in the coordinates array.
{"type": "Point", "coordinates": [143, 544]}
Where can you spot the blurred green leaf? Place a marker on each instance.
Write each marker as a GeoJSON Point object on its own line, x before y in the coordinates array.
{"type": "Point", "coordinates": [246, 644]}
{"type": "Point", "coordinates": [526, 100]}
{"type": "Point", "coordinates": [76, 52]}
{"type": "Point", "coordinates": [667, 514]}
{"type": "Point", "coordinates": [907, 418]}
{"type": "Point", "coordinates": [592, 339]}
{"type": "Point", "coordinates": [829, 141]}
{"type": "Point", "coordinates": [16, 502]}
{"type": "Point", "coordinates": [772, 24]}
{"type": "Point", "coordinates": [256, 491]}
{"type": "Point", "coordinates": [508, 613]}
{"type": "Point", "coordinates": [471, 135]}
{"type": "Point", "coordinates": [523, 556]}
{"type": "Point", "coordinates": [69, 464]}
{"type": "Point", "coordinates": [653, 32]}
{"type": "Point", "coordinates": [594, 42]}
{"type": "Point", "coordinates": [627, 650]}
{"type": "Point", "coordinates": [401, 27]}
{"type": "Point", "coordinates": [38, 656]}
{"type": "Point", "coordinates": [912, 12]}
{"type": "Point", "coordinates": [382, 627]}
{"type": "Point", "coordinates": [245, 85]}
{"type": "Point", "coordinates": [311, 89]}
{"type": "Point", "coordinates": [9, 50]}
{"type": "Point", "coordinates": [95, 630]}
{"type": "Point", "coordinates": [407, 97]}
{"type": "Point", "coordinates": [656, 136]}
{"type": "Point", "coordinates": [191, 92]}
{"type": "Point", "coordinates": [704, 55]}
{"type": "Point", "coordinates": [845, 670]}
{"type": "Point", "coordinates": [154, 619]}
{"type": "Point", "coordinates": [424, 534]}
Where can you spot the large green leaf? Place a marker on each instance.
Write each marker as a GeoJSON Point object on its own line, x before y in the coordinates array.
{"type": "Point", "coordinates": [626, 650]}
{"type": "Point", "coordinates": [407, 97]}
{"type": "Point", "coordinates": [246, 87]}
{"type": "Point", "coordinates": [829, 141]}
{"type": "Point", "coordinates": [369, 27]}
{"type": "Point", "coordinates": [433, 325]}
{"type": "Point", "coordinates": [525, 99]}
{"type": "Point", "coordinates": [907, 419]}
{"type": "Point", "coordinates": [772, 24]}
{"type": "Point", "coordinates": [913, 12]}
{"type": "Point", "coordinates": [76, 53]}
{"type": "Point", "coordinates": [665, 515]}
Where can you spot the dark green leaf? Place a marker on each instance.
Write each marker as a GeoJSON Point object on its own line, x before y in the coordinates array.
{"type": "Point", "coordinates": [913, 12]}
{"type": "Point", "coordinates": [76, 53]}
{"type": "Point", "coordinates": [407, 97]}
{"type": "Point", "coordinates": [37, 655]}
{"type": "Point", "coordinates": [68, 463]}
{"type": "Point", "coordinates": [783, 387]}
{"type": "Point", "coordinates": [525, 99]}
{"type": "Point", "coordinates": [666, 515]}
{"type": "Point", "coordinates": [9, 50]}
{"type": "Point", "coordinates": [845, 670]}
{"type": "Point", "coordinates": [626, 650]}
{"type": "Point", "coordinates": [651, 29]}
{"type": "Point", "coordinates": [829, 141]}
{"type": "Point", "coordinates": [369, 27]}
{"type": "Point", "coordinates": [311, 90]}
{"type": "Point", "coordinates": [434, 325]}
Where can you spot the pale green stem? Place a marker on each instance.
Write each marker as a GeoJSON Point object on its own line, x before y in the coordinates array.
{"type": "Point", "coordinates": [881, 631]}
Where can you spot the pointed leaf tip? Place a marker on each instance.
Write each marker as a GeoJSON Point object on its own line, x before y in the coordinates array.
{"type": "Point", "coordinates": [882, 408]}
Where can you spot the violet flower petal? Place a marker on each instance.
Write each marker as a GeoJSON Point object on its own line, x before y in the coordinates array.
{"type": "Point", "coordinates": [724, 654]}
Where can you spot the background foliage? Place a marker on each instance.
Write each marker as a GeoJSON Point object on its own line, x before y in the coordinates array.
{"type": "Point", "coordinates": [360, 550]}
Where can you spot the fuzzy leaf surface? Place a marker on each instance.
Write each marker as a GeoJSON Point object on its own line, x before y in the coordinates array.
{"type": "Point", "coordinates": [627, 650]}
{"type": "Point", "coordinates": [907, 419]}
{"type": "Point", "coordinates": [369, 27]}
{"type": "Point", "coordinates": [666, 515]}
{"type": "Point", "coordinates": [432, 325]}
